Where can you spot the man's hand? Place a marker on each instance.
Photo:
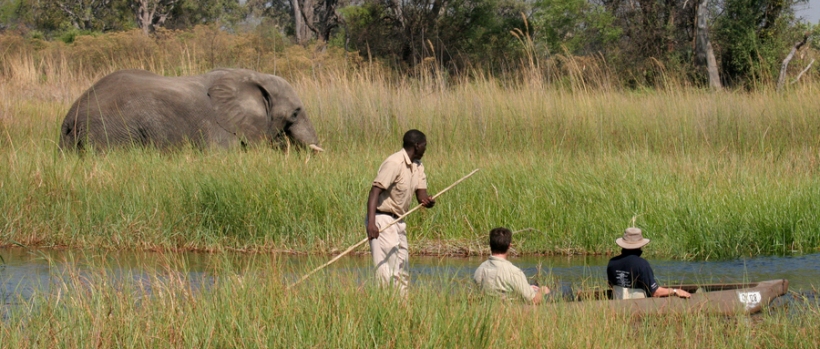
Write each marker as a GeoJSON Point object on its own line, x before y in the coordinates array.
{"type": "Point", "coordinates": [682, 294]}
{"type": "Point", "coordinates": [372, 231]}
{"type": "Point", "coordinates": [540, 293]}
{"type": "Point", "coordinates": [543, 289]}
{"type": "Point", "coordinates": [424, 199]}
{"type": "Point", "coordinates": [428, 202]}
{"type": "Point", "coordinates": [669, 292]}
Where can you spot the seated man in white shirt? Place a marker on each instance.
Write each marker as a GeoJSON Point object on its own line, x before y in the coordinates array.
{"type": "Point", "coordinates": [499, 276]}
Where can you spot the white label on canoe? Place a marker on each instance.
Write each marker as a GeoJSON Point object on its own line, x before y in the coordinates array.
{"type": "Point", "coordinates": [750, 299]}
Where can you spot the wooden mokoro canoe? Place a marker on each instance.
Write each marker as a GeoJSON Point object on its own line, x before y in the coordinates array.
{"type": "Point", "coordinates": [727, 299]}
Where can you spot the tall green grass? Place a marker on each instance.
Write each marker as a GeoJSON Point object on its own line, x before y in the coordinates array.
{"type": "Point", "coordinates": [707, 175]}
{"type": "Point", "coordinates": [91, 305]}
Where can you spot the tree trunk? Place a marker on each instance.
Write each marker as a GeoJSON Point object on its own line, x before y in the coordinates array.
{"type": "Point", "coordinates": [328, 20]}
{"type": "Point", "coordinates": [308, 18]}
{"type": "Point", "coordinates": [701, 34]}
{"type": "Point", "coordinates": [300, 18]}
{"type": "Point", "coordinates": [145, 16]}
{"type": "Point", "coordinates": [704, 54]}
{"type": "Point", "coordinates": [398, 13]}
{"type": "Point", "coordinates": [711, 67]}
{"type": "Point", "coordinates": [297, 21]}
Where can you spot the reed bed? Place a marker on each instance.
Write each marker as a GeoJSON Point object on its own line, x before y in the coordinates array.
{"type": "Point", "coordinates": [243, 303]}
{"type": "Point", "coordinates": [707, 175]}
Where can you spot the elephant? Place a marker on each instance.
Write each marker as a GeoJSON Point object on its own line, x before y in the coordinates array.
{"type": "Point", "coordinates": [222, 108]}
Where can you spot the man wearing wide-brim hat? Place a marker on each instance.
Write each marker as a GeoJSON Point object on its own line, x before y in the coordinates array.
{"type": "Point", "coordinates": [630, 276]}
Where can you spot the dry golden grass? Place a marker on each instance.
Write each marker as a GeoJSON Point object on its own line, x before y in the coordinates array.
{"type": "Point", "coordinates": [574, 162]}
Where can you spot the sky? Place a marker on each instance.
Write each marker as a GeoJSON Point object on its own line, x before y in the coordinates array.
{"type": "Point", "coordinates": [810, 11]}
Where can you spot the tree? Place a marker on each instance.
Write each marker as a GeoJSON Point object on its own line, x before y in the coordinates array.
{"type": "Point", "coordinates": [279, 12]}
{"type": "Point", "coordinates": [579, 26]}
{"type": "Point", "coordinates": [9, 13]}
{"type": "Point", "coordinates": [752, 37]}
{"type": "Point", "coordinates": [458, 33]}
{"type": "Point", "coordinates": [152, 13]}
{"type": "Point", "coordinates": [87, 15]}
{"type": "Point", "coordinates": [470, 33]}
{"type": "Point", "coordinates": [652, 31]}
{"type": "Point", "coordinates": [189, 13]}
{"type": "Point", "coordinates": [320, 17]}
{"type": "Point", "coordinates": [314, 18]}
{"type": "Point", "coordinates": [304, 19]}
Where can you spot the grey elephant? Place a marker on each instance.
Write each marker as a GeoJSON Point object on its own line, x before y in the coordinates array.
{"type": "Point", "coordinates": [222, 108]}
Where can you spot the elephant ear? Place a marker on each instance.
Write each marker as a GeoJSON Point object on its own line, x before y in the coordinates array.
{"type": "Point", "coordinates": [241, 105]}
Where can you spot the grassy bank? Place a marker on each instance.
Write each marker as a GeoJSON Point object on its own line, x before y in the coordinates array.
{"type": "Point", "coordinates": [708, 175]}
{"type": "Point", "coordinates": [246, 306]}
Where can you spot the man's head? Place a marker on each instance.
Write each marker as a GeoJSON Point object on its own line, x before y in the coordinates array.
{"type": "Point", "coordinates": [415, 142]}
{"type": "Point", "coordinates": [632, 240]}
{"type": "Point", "coordinates": [500, 239]}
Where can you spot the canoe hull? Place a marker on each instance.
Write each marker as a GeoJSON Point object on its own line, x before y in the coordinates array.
{"type": "Point", "coordinates": [727, 299]}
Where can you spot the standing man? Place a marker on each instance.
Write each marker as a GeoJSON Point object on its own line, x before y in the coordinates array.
{"type": "Point", "coordinates": [400, 176]}
{"type": "Point", "coordinates": [497, 276]}
{"type": "Point", "coordinates": [630, 276]}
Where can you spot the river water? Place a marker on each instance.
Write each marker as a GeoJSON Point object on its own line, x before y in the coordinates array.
{"type": "Point", "coordinates": [25, 272]}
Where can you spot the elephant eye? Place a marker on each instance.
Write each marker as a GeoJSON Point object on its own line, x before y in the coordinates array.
{"type": "Point", "coordinates": [296, 113]}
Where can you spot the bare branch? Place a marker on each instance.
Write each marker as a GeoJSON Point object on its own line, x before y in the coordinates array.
{"type": "Point", "coordinates": [783, 67]}
{"type": "Point", "coordinates": [803, 72]}
{"type": "Point", "coordinates": [73, 17]}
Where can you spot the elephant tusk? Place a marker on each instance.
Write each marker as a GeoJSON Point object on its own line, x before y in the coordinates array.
{"type": "Point", "coordinates": [315, 148]}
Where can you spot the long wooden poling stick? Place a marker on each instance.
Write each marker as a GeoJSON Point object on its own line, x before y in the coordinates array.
{"type": "Point", "coordinates": [351, 248]}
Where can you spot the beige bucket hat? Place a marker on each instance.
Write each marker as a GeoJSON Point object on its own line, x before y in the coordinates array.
{"type": "Point", "coordinates": [633, 239]}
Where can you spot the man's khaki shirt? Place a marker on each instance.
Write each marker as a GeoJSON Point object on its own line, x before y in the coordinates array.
{"type": "Point", "coordinates": [499, 276]}
{"type": "Point", "coordinates": [400, 178]}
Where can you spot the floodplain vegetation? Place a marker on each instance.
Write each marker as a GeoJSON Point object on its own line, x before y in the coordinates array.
{"type": "Point", "coordinates": [570, 155]}
{"type": "Point", "coordinates": [243, 303]}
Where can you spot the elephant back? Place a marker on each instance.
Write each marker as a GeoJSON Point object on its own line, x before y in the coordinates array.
{"type": "Point", "coordinates": [130, 107]}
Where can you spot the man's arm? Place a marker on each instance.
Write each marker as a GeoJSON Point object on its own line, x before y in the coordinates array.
{"type": "Point", "coordinates": [647, 277]}
{"type": "Point", "coordinates": [424, 199]}
{"type": "Point", "coordinates": [372, 201]}
{"type": "Point", "coordinates": [610, 275]}
{"type": "Point", "coordinates": [540, 292]}
{"type": "Point", "coordinates": [666, 292]}
{"type": "Point", "coordinates": [530, 292]}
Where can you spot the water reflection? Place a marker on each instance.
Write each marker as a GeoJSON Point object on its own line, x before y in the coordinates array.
{"type": "Point", "coordinates": [803, 272]}
{"type": "Point", "coordinates": [26, 272]}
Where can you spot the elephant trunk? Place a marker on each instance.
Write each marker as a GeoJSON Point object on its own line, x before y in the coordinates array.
{"type": "Point", "coordinates": [303, 133]}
